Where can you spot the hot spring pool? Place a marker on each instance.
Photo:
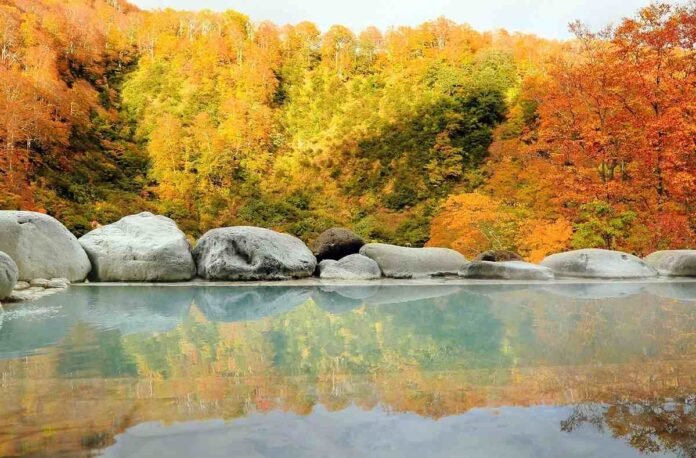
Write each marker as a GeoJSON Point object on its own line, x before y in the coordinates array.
{"type": "Point", "coordinates": [490, 370]}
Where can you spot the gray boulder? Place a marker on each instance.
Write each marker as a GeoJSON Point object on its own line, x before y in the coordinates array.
{"type": "Point", "coordinates": [597, 263]}
{"type": "Point", "coordinates": [673, 263]}
{"type": "Point", "coordinates": [352, 267]}
{"type": "Point", "coordinates": [42, 247]}
{"type": "Point", "coordinates": [401, 262]}
{"type": "Point", "coordinates": [506, 270]}
{"type": "Point", "coordinates": [252, 253]}
{"type": "Point", "coordinates": [142, 247]}
{"type": "Point", "coordinates": [9, 274]}
{"type": "Point", "coordinates": [336, 243]}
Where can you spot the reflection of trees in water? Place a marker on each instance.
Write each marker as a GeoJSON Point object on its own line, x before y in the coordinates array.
{"type": "Point", "coordinates": [585, 414]}
{"type": "Point", "coordinates": [87, 353]}
{"type": "Point", "coordinates": [436, 352]}
{"type": "Point", "coordinates": [651, 426]}
{"type": "Point", "coordinates": [549, 329]}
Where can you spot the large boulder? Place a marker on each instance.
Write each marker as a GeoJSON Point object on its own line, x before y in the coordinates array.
{"type": "Point", "coordinates": [506, 270]}
{"type": "Point", "coordinates": [142, 247]}
{"type": "Point", "coordinates": [336, 243]}
{"type": "Point", "coordinates": [498, 256]}
{"type": "Point", "coordinates": [252, 253]}
{"type": "Point", "coordinates": [9, 274]}
{"type": "Point", "coordinates": [597, 263]}
{"type": "Point", "coordinates": [352, 267]}
{"type": "Point", "coordinates": [673, 263]}
{"type": "Point", "coordinates": [402, 262]}
{"type": "Point", "coordinates": [42, 247]}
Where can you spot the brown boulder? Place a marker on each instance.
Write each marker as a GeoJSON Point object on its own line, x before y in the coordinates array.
{"type": "Point", "coordinates": [498, 256]}
{"type": "Point", "coordinates": [336, 243]}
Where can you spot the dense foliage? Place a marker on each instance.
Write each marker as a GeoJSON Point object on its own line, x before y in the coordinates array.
{"type": "Point", "coordinates": [64, 148]}
{"type": "Point", "coordinates": [435, 134]}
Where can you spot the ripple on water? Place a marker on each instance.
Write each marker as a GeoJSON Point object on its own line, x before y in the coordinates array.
{"type": "Point", "coordinates": [28, 313]}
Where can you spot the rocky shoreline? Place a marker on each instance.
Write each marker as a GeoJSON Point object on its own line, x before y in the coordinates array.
{"type": "Point", "coordinates": [39, 256]}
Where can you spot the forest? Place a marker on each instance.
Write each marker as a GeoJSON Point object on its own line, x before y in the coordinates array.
{"type": "Point", "coordinates": [435, 135]}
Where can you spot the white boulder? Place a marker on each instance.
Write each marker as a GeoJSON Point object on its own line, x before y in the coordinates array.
{"type": "Point", "coordinates": [673, 263]}
{"type": "Point", "coordinates": [352, 267]}
{"type": "Point", "coordinates": [597, 263]}
{"type": "Point", "coordinates": [42, 247]}
{"type": "Point", "coordinates": [142, 247]}
{"type": "Point", "coordinates": [402, 262]}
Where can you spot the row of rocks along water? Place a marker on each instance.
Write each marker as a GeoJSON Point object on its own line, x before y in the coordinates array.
{"type": "Point", "coordinates": [39, 255]}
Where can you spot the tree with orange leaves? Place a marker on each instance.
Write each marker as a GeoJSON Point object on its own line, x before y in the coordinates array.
{"type": "Point", "coordinates": [617, 119]}
{"type": "Point", "coordinates": [471, 223]}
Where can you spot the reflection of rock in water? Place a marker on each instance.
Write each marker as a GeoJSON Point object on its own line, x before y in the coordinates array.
{"type": "Point", "coordinates": [394, 294]}
{"type": "Point", "coordinates": [501, 289]}
{"type": "Point", "coordinates": [674, 290]}
{"type": "Point", "coordinates": [29, 327]}
{"type": "Point", "coordinates": [242, 303]}
{"type": "Point", "coordinates": [353, 292]}
{"type": "Point", "coordinates": [615, 289]}
{"type": "Point", "coordinates": [333, 302]}
{"type": "Point", "coordinates": [341, 299]}
{"type": "Point", "coordinates": [133, 309]}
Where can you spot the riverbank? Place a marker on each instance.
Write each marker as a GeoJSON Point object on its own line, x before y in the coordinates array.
{"type": "Point", "coordinates": [39, 256]}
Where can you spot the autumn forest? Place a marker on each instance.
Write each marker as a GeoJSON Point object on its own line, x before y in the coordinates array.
{"type": "Point", "coordinates": [431, 135]}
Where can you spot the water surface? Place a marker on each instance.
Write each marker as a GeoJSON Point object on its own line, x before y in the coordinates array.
{"type": "Point", "coordinates": [438, 370]}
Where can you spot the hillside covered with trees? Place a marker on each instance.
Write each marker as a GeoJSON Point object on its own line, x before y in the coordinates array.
{"type": "Point", "coordinates": [436, 134]}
